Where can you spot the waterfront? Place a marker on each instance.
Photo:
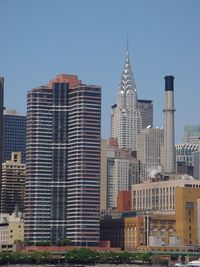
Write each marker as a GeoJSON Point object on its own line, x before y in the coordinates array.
{"type": "Point", "coordinates": [81, 265]}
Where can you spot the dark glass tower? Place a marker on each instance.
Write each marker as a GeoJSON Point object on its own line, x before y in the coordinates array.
{"type": "Point", "coordinates": [14, 134]}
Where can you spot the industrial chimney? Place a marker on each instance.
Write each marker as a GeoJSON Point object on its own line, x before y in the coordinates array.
{"type": "Point", "coordinates": [169, 145]}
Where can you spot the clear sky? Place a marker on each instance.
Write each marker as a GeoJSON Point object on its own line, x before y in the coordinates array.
{"type": "Point", "coordinates": [42, 38]}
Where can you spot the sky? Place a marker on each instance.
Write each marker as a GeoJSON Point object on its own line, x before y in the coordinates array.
{"type": "Point", "coordinates": [42, 38]}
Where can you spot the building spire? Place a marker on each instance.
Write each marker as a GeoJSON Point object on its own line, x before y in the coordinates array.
{"type": "Point", "coordinates": [127, 80]}
{"type": "Point", "coordinates": [127, 43]}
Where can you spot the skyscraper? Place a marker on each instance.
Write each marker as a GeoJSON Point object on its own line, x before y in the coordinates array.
{"type": "Point", "coordinates": [14, 134]}
{"type": "Point", "coordinates": [38, 165]}
{"type": "Point", "coordinates": [146, 112]}
{"type": "Point", "coordinates": [150, 143]}
{"type": "Point", "coordinates": [64, 163]}
{"type": "Point", "coordinates": [125, 117]}
{"type": "Point", "coordinates": [1, 124]}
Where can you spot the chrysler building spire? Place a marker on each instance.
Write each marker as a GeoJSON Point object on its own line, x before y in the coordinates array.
{"type": "Point", "coordinates": [125, 118]}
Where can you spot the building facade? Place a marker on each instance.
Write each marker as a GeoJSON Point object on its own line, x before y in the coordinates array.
{"type": "Point", "coordinates": [150, 144]}
{"type": "Point", "coordinates": [13, 184]}
{"type": "Point", "coordinates": [63, 162]}
{"type": "Point", "coordinates": [1, 123]}
{"type": "Point", "coordinates": [38, 165]}
{"type": "Point", "coordinates": [159, 195]}
{"type": "Point", "coordinates": [187, 215]}
{"type": "Point", "coordinates": [162, 231]}
{"type": "Point", "coordinates": [184, 153]}
{"type": "Point", "coordinates": [11, 230]}
{"type": "Point", "coordinates": [14, 134]}
{"type": "Point", "coordinates": [103, 175]}
{"type": "Point", "coordinates": [122, 172]}
{"type": "Point", "coordinates": [124, 201]}
{"type": "Point", "coordinates": [146, 112]}
{"type": "Point", "coordinates": [126, 120]}
{"type": "Point", "coordinates": [196, 163]}
{"type": "Point", "coordinates": [191, 134]}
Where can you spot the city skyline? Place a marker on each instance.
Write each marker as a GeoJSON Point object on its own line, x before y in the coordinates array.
{"type": "Point", "coordinates": [89, 38]}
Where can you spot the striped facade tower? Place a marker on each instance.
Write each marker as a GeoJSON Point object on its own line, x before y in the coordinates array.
{"type": "Point", "coordinates": [1, 127]}
{"type": "Point", "coordinates": [64, 204]}
{"type": "Point", "coordinates": [169, 143]}
{"type": "Point", "coordinates": [38, 165]}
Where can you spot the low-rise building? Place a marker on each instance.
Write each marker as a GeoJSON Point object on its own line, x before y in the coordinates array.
{"type": "Point", "coordinates": [186, 206]}
{"type": "Point", "coordinates": [160, 195]}
{"type": "Point", "coordinates": [11, 230]}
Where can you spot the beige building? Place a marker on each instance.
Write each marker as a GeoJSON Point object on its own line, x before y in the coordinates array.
{"type": "Point", "coordinates": [150, 143]}
{"type": "Point", "coordinates": [11, 230]}
{"type": "Point", "coordinates": [162, 231]}
{"type": "Point", "coordinates": [187, 212]}
{"type": "Point", "coordinates": [160, 195]}
{"type": "Point", "coordinates": [13, 183]}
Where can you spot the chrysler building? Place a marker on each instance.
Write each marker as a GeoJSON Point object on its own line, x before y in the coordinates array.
{"type": "Point", "coordinates": [125, 115]}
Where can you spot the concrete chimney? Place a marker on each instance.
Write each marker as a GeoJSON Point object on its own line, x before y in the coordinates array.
{"type": "Point", "coordinates": [169, 143]}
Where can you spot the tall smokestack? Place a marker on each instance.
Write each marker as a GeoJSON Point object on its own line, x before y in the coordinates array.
{"type": "Point", "coordinates": [169, 145]}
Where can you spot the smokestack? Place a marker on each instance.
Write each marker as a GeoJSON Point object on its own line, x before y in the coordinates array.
{"type": "Point", "coordinates": [169, 143]}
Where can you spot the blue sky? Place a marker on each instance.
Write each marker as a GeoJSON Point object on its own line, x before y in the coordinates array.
{"type": "Point", "coordinates": [42, 38]}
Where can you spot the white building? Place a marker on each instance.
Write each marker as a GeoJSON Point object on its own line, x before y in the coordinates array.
{"type": "Point", "coordinates": [150, 143]}
{"type": "Point", "coordinates": [125, 117]}
{"type": "Point", "coordinates": [159, 195]}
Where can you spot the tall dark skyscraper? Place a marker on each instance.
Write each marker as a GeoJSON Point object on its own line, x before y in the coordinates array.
{"type": "Point", "coordinates": [1, 126]}
{"type": "Point", "coordinates": [63, 162]}
{"type": "Point", "coordinates": [14, 134]}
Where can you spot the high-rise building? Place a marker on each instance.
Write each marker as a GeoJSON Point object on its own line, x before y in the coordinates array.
{"type": "Point", "coordinates": [169, 136]}
{"type": "Point", "coordinates": [1, 124]}
{"type": "Point", "coordinates": [125, 116]}
{"type": "Point", "coordinates": [150, 143]}
{"type": "Point", "coordinates": [38, 165]}
{"type": "Point", "coordinates": [191, 134]}
{"type": "Point", "coordinates": [146, 112]}
{"type": "Point", "coordinates": [63, 162]}
{"type": "Point", "coordinates": [13, 183]}
{"type": "Point", "coordinates": [103, 175]}
{"type": "Point", "coordinates": [14, 134]}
